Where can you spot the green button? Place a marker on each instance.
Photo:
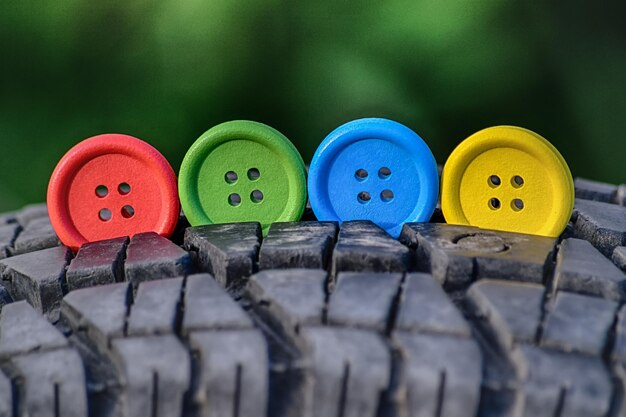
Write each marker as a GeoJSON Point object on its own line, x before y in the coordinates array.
{"type": "Point", "coordinates": [242, 171]}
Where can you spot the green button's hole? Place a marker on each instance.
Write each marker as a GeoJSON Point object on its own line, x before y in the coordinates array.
{"type": "Point", "coordinates": [128, 212]}
{"type": "Point", "coordinates": [386, 195]}
{"type": "Point", "coordinates": [494, 181]}
{"type": "Point", "coordinates": [256, 196]}
{"type": "Point", "coordinates": [234, 199]}
{"type": "Point", "coordinates": [253, 174]}
{"type": "Point", "coordinates": [231, 177]}
{"type": "Point", "coordinates": [102, 191]}
{"type": "Point", "coordinates": [360, 174]}
{"type": "Point", "coordinates": [384, 173]}
{"type": "Point", "coordinates": [517, 181]}
{"type": "Point", "coordinates": [123, 188]}
{"type": "Point", "coordinates": [494, 204]}
{"type": "Point", "coordinates": [104, 215]}
{"type": "Point", "coordinates": [364, 197]}
{"type": "Point", "coordinates": [517, 205]}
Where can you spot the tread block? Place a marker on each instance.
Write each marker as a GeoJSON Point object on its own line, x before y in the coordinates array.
{"type": "Point", "coordinates": [512, 310]}
{"type": "Point", "coordinates": [51, 383]}
{"type": "Point", "coordinates": [619, 349]}
{"type": "Point", "coordinates": [594, 190]}
{"type": "Point", "coordinates": [23, 330]}
{"type": "Point", "coordinates": [233, 372]}
{"type": "Point", "coordinates": [99, 312]}
{"type": "Point", "coordinates": [455, 255]}
{"type": "Point", "coordinates": [579, 323]}
{"type": "Point", "coordinates": [38, 234]}
{"type": "Point", "coordinates": [97, 263]}
{"type": "Point", "coordinates": [620, 197]}
{"type": "Point", "coordinates": [364, 247]}
{"type": "Point", "coordinates": [150, 256]}
{"type": "Point", "coordinates": [425, 307]}
{"type": "Point", "coordinates": [294, 297]}
{"type": "Point", "coordinates": [37, 278]}
{"type": "Point", "coordinates": [350, 369]}
{"type": "Point", "coordinates": [602, 224]}
{"type": "Point", "coordinates": [155, 308]}
{"type": "Point", "coordinates": [227, 251]}
{"type": "Point", "coordinates": [581, 268]}
{"type": "Point", "coordinates": [6, 396]}
{"type": "Point", "coordinates": [298, 245]}
{"type": "Point", "coordinates": [575, 385]}
{"type": "Point", "coordinates": [443, 375]}
{"type": "Point", "coordinates": [155, 374]}
{"type": "Point", "coordinates": [8, 233]}
{"type": "Point", "coordinates": [31, 212]}
{"type": "Point", "coordinates": [619, 257]}
{"type": "Point", "coordinates": [363, 299]}
{"type": "Point", "coordinates": [208, 306]}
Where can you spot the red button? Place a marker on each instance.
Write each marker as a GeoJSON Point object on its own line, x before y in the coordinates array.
{"type": "Point", "coordinates": [110, 186]}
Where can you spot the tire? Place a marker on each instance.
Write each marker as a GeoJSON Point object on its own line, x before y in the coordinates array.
{"type": "Point", "coordinates": [317, 320]}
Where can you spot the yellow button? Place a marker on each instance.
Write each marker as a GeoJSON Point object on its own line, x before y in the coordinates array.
{"type": "Point", "coordinates": [508, 178]}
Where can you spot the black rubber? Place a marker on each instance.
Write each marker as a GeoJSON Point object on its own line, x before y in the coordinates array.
{"type": "Point", "coordinates": [316, 320]}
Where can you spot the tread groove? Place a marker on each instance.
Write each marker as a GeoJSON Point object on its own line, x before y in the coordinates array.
{"type": "Point", "coordinates": [237, 396]}
{"type": "Point", "coordinates": [343, 397]}
{"type": "Point", "coordinates": [155, 394]}
{"type": "Point", "coordinates": [558, 411]}
{"type": "Point", "coordinates": [440, 394]}
{"type": "Point", "coordinates": [392, 316]}
{"type": "Point", "coordinates": [57, 403]}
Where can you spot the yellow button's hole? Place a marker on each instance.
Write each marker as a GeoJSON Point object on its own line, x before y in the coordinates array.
{"type": "Point", "coordinates": [231, 177]}
{"type": "Point", "coordinates": [234, 199]}
{"type": "Point", "coordinates": [361, 174]}
{"type": "Point", "coordinates": [256, 196]}
{"type": "Point", "coordinates": [128, 212]}
{"type": "Point", "coordinates": [494, 204]}
{"type": "Point", "coordinates": [104, 215]}
{"type": "Point", "coordinates": [494, 181]}
{"type": "Point", "coordinates": [102, 191]}
{"type": "Point", "coordinates": [253, 174]}
{"type": "Point", "coordinates": [364, 197]}
{"type": "Point", "coordinates": [517, 181]}
{"type": "Point", "coordinates": [517, 205]}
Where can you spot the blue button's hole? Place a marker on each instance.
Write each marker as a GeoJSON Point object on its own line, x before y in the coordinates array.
{"type": "Point", "coordinates": [386, 195]}
{"type": "Point", "coordinates": [364, 197]}
{"type": "Point", "coordinates": [231, 177]}
{"type": "Point", "coordinates": [253, 174]}
{"type": "Point", "coordinates": [494, 181]}
{"type": "Point", "coordinates": [494, 204]}
{"type": "Point", "coordinates": [234, 199]}
{"type": "Point", "coordinates": [361, 174]}
{"type": "Point", "coordinates": [256, 196]}
{"type": "Point", "coordinates": [102, 191]}
{"type": "Point", "coordinates": [104, 215]}
{"type": "Point", "coordinates": [384, 173]}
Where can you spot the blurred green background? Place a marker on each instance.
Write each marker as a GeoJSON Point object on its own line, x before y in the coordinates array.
{"type": "Point", "coordinates": [167, 70]}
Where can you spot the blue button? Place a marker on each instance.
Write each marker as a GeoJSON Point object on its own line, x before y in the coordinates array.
{"type": "Point", "coordinates": [374, 169]}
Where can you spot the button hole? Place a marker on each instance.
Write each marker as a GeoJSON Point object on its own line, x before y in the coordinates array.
{"type": "Point", "coordinates": [517, 181]}
{"type": "Point", "coordinates": [494, 204]}
{"type": "Point", "coordinates": [361, 174]}
{"type": "Point", "coordinates": [386, 195]}
{"type": "Point", "coordinates": [364, 197]}
{"type": "Point", "coordinates": [105, 215]}
{"type": "Point", "coordinates": [253, 174]}
{"type": "Point", "coordinates": [517, 205]}
{"type": "Point", "coordinates": [123, 188]}
{"type": "Point", "coordinates": [102, 191]}
{"type": "Point", "coordinates": [494, 181]}
{"type": "Point", "coordinates": [384, 173]}
{"type": "Point", "coordinates": [231, 177]}
{"type": "Point", "coordinates": [234, 199]}
{"type": "Point", "coordinates": [256, 196]}
{"type": "Point", "coordinates": [128, 212]}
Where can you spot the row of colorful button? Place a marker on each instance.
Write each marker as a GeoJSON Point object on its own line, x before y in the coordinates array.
{"type": "Point", "coordinates": [504, 178]}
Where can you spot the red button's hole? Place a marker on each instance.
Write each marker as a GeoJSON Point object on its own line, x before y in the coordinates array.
{"type": "Point", "coordinates": [102, 191]}
{"type": "Point", "coordinates": [105, 215]}
{"type": "Point", "coordinates": [128, 212]}
{"type": "Point", "coordinates": [123, 188]}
